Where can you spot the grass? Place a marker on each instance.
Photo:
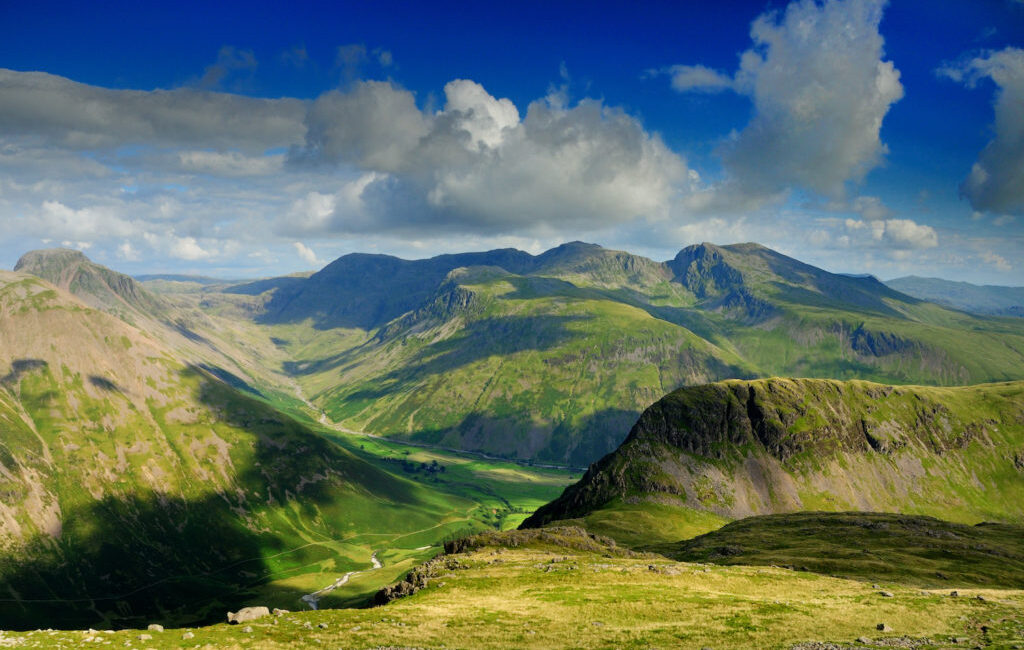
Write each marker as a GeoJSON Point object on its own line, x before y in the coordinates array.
{"type": "Point", "coordinates": [902, 549]}
{"type": "Point", "coordinates": [645, 522]}
{"type": "Point", "coordinates": [539, 595]}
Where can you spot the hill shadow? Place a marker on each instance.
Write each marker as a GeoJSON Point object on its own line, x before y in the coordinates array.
{"type": "Point", "coordinates": [105, 384]}
{"type": "Point", "coordinates": [21, 367]}
{"type": "Point", "coordinates": [570, 444]}
{"type": "Point", "coordinates": [133, 558]}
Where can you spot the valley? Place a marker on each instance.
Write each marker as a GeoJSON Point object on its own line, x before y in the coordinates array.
{"type": "Point", "coordinates": [179, 447]}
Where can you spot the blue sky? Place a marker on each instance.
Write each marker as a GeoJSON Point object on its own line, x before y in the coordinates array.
{"type": "Point", "coordinates": [257, 139]}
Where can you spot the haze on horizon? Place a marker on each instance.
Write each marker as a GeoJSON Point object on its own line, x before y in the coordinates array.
{"type": "Point", "coordinates": [856, 135]}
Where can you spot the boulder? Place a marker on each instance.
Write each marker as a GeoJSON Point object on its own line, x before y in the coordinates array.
{"type": "Point", "coordinates": [155, 627]}
{"type": "Point", "coordinates": [247, 614]}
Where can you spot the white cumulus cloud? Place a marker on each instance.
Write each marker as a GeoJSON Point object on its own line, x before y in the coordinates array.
{"type": "Point", "coordinates": [477, 165]}
{"type": "Point", "coordinates": [820, 89]}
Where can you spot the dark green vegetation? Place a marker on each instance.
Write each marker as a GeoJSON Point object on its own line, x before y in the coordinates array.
{"type": "Point", "coordinates": [740, 448]}
{"type": "Point", "coordinates": [552, 357]}
{"type": "Point", "coordinates": [903, 549]}
{"type": "Point", "coordinates": [136, 487]}
{"type": "Point", "coordinates": [984, 299]}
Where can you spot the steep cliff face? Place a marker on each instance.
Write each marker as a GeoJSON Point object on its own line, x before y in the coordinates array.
{"type": "Point", "coordinates": [740, 448]}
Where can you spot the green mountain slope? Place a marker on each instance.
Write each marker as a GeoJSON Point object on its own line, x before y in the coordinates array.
{"type": "Point", "coordinates": [984, 299]}
{"type": "Point", "coordinates": [135, 486]}
{"type": "Point", "coordinates": [552, 357]}
{"type": "Point", "coordinates": [741, 448]}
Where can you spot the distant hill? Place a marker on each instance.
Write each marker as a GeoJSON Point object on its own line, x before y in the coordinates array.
{"type": "Point", "coordinates": [979, 299]}
{"type": "Point", "coordinates": [177, 277]}
{"type": "Point", "coordinates": [739, 448]}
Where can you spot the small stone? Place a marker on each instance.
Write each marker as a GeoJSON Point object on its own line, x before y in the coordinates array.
{"type": "Point", "coordinates": [863, 639]}
{"type": "Point", "coordinates": [883, 627]}
{"type": "Point", "coordinates": [875, 587]}
{"type": "Point", "coordinates": [981, 598]}
{"type": "Point", "coordinates": [187, 635]}
{"type": "Point", "coordinates": [307, 626]}
{"type": "Point", "coordinates": [355, 629]}
{"type": "Point", "coordinates": [886, 594]}
{"type": "Point", "coordinates": [144, 637]}
{"type": "Point", "coordinates": [959, 639]}
{"type": "Point", "coordinates": [954, 593]}
{"type": "Point", "coordinates": [247, 629]}
{"type": "Point", "coordinates": [322, 626]}
{"type": "Point", "coordinates": [280, 612]}
{"type": "Point", "coordinates": [155, 627]}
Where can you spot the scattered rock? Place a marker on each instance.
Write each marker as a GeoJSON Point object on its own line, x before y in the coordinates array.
{"type": "Point", "coordinates": [247, 614]}
{"type": "Point", "coordinates": [322, 626]}
{"type": "Point", "coordinates": [959, 639]}
{"type": "Point", "coordinates": [863, 639]}
{"type": "Point", "coordinates": [155, 627]}
{"type": "Point", "coordinates": [144, 637]}
{"type": "Point", "coordinates": [981, 598]}
{"type": "Point", "coordinates": [307, 626]}
{"type": "Point", "coordinates": [187, 635]}
{"type": "Point", "coordinates": [247, 629]}
{"type": "Point", "coordinates": [886, 594]}
{"type": "Point", "coordinates": [280, 612]}
{"type": "Point", "coordinates": [954, 593]}
{"type": "Point", "coordinates": [883, 627]}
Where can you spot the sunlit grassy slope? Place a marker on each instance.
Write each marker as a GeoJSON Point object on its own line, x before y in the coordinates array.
{"type": "Point", "coordinates": [567, 591]}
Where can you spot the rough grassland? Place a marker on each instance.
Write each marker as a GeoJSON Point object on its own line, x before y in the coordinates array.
{"type": "Point", "coordinates": [545, 596]}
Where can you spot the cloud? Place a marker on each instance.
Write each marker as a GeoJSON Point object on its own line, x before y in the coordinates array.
{"type": "Point", "coordinates": [698, 78]}
{"type": "Point", "coordinates": [820, 90]}
{"type": "Point", "coordinates": [997, 261]}
{"type": "Point", "coordinates": [894, 233]}
{"type": "Point", "coordinates": [306, 253]}
{"type": "Point", "coordinates": [187, 248]}
{"type": "Point", "coordinates": [870, 208]}
{"type": "Point", "coordinates": [477, 165]}
{"type": "Point", "coordinates": [229, 62]}
{"type": "Point", "coordinates": [996, 180]}
{"type": "Point", "coordinates": [79, 116]}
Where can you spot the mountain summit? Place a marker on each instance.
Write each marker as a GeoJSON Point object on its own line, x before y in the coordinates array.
{"type": "Point", "coordinates": [95, 285]}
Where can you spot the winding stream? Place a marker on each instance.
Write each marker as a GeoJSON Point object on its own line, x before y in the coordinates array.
{"type": "Point", "coordinates": [314, 598]}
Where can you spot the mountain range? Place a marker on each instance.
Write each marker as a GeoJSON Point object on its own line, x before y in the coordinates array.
{"type": "Point", "coordinates": [144, 419]}
{"type": "Point", "coordinates": [552, 357]}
